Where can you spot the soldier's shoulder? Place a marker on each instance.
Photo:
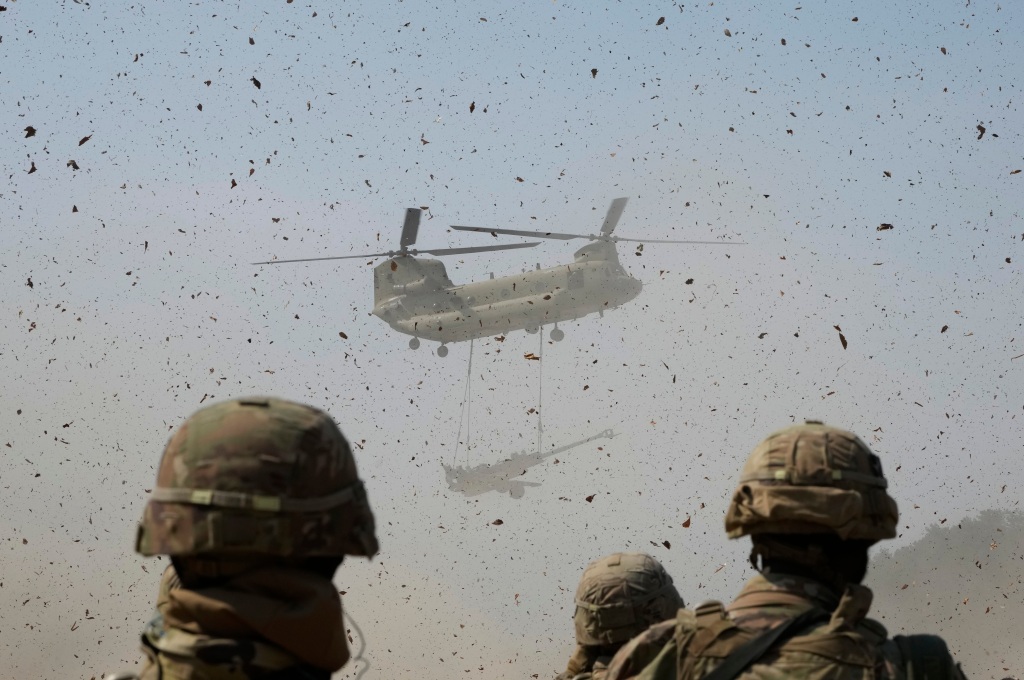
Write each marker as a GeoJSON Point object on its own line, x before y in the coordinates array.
{"type": "Point", "coordinates": [633, 656]}
{"type": "Point", "coordinates": [659, 632]}
{"type": "Point", "coordinates": [909, 656]}
{"type": "Point", "coordinates": [654, 638]}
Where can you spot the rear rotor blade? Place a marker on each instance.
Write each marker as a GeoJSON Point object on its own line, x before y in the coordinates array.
{"type": "Point", "coordinates": [338, 257]}
{"type": "Point", "coordinates": [410, 228]}
{"type": "Point", "coordinates": [566, 237]}
{"type": "Point", "coordinates": [474, 249]}
{"type": "Point", "coordinates": [705, 243]}
{"type": "Point", "coordinates": [519, 232]}
{"type": "Point", "coordinates": [614, 213]}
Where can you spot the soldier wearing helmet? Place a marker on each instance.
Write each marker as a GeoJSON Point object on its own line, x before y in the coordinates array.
{"type": "Point", "coordinates": [618, 597]}
{"type": "Point", "coordinates": [257, 502]}
{"type": "Point", "coordinates": [812, 499]}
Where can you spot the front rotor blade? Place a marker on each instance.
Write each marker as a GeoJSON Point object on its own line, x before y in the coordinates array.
{"type": "Point", "coordinates": [519, 232]}
{"type": "Point", "coordinates": [410, 228]}
{"type": "Point", "coordinates": [705, 243]}
{"type": "Point", "coordinates": [614, 213]}
{"type": "Point", "coordinates": [475, 249]}
{"type": "Point", "coordinates": [393, 253]}
{"type": "Point", "coordinates": [339, 257]}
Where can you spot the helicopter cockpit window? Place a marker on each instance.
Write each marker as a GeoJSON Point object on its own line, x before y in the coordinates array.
{"type": "Point", "coordinates": [575, 279]}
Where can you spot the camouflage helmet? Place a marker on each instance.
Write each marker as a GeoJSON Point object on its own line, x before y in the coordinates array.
{"type": "Point", "coordinates": [257, 477]}
{"type": "Point", "coordinates": [812, 479]}
{"type": "Point", "coordinates": [620, 596]}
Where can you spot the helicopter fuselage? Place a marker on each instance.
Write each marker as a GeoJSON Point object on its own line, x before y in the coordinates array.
{"type": "Point", "coordinates": [416, 297]}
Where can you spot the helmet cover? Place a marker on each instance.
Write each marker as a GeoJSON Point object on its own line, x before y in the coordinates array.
{"type": "Point", "coordinates": [620, 596]}
{"type": "Point", "coordinates": [257, 477]}
{"type": "Point", "coordinates": [813, 479]}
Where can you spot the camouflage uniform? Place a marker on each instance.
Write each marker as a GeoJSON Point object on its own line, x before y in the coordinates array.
{"type": "Point", "coordinates": [808, 480]}
{"type": "Point", "coordinates": [257, 501]}
{"type": "Point", "coordinates": [618, 597]}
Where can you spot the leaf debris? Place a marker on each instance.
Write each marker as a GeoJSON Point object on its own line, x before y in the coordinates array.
{"type": "Point", "coordinates": [842, 338]}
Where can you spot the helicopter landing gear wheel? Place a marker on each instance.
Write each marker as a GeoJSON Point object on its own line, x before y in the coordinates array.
{"type": "Point", "coordinates": [531, 330]}
{"type": "Point", "coordinates": [414, 343]}
{"type": "Point", "coordinates": [442, 351]}
{"type": "Point", "coordinates": [557, 334]}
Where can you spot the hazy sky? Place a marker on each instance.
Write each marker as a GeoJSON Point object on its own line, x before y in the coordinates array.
{"type": "Point", "coordinates": [211, 135]}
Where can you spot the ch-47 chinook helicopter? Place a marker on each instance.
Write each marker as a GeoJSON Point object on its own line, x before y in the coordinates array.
{"type": "Point", "coordinates": [414, 295]}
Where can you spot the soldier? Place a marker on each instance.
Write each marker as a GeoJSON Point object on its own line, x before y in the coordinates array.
{"type": "Point", "coordinates": [813, 500]}
{"type": "Point", "coordinates": [257, 502]}
{"type": "Point", "coordinates": [619, 596]}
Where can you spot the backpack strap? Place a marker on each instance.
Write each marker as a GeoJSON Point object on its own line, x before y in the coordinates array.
{"type": "Point", "coordinates": [926, 657]}
{"type": "Point", "coordinates": [747, 654]}
{"type": "Point", "coordinates": [695, 630]}
{"type": "Point", "coordinates": [706, 619]}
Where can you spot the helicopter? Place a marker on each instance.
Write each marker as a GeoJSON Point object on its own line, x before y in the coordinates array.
{"type": "Point", "coordinates": [415, 296]}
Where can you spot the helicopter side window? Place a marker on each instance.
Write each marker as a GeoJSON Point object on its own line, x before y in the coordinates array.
{"type": "Point", "coordinates": [575, 279]}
